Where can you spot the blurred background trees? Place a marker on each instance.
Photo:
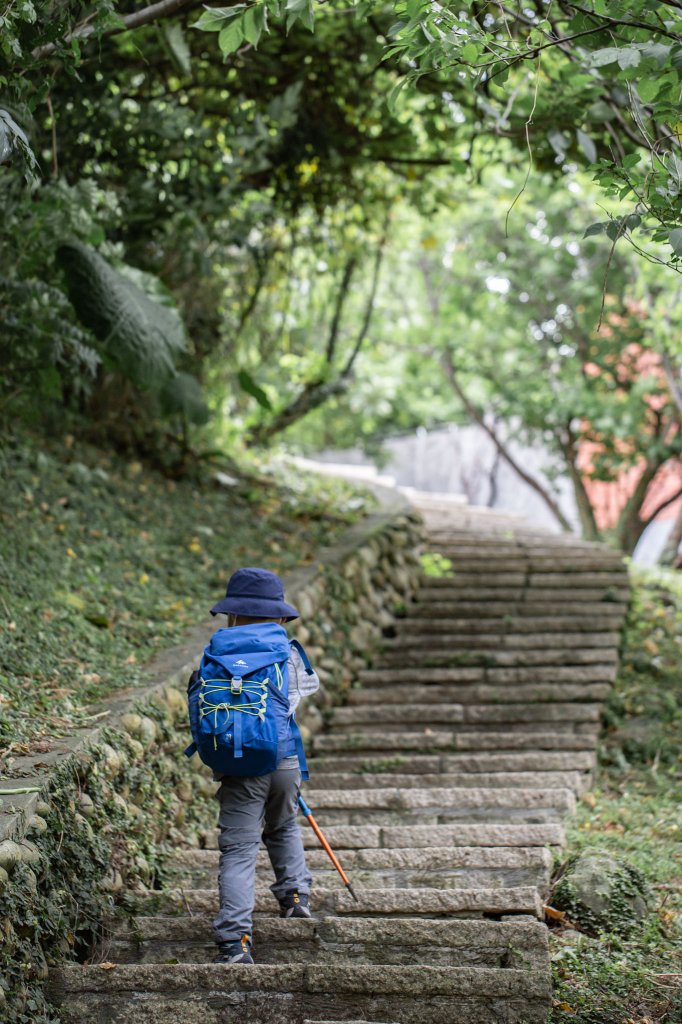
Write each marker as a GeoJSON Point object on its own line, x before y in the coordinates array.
{"type": "Point", "coordinates": [320, 225]}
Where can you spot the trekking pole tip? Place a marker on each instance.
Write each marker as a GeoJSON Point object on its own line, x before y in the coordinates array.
{"type": "Point", "coordinates": [350, 890]}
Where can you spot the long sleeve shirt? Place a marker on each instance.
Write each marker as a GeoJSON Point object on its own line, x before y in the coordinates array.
{"type": "Point", "coordinates": [300, 683]}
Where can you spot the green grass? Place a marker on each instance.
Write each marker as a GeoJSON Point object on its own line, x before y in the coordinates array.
{"type": "Point", "coordinates": [103, 562]}
{"type": "Point", "coordinates": [635, 813]}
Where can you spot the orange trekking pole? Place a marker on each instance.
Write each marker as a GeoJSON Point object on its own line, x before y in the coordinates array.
{"type": "Point", "coordinates": [305, 810]}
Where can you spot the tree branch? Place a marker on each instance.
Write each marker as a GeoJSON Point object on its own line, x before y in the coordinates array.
{"type": "Point", "coordinates": [673, 381]}
{"type": "Point", "coordinates": [162, 9]}
{"type": "Point", "coordinates": [654, 29]}
{"type": "Point", "coordinates": [316, 392]}
{"type": "Point", "coordinates": [341, 297]}
{"type": "Point", "coordinates": [369, 307]}
{"type": "Point", "coordinates": [477, 416]}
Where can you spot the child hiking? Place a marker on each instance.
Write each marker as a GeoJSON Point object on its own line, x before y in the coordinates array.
{"type": "Point", "coordinates": [242, 705]}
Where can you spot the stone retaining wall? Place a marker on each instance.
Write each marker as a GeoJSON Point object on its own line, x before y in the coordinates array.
{"type": "Point", "coordinates": [98, 810]}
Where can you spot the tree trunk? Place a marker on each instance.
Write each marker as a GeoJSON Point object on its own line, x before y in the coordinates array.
{"type": "Point", "coordinates": [630, 524]}
{"type": "Point", "coordinates": [669, 553]}
{"type": "Point", "coordinates": [316, 392]}
{"type": "Point", "coordinates": [478, 417]}
{"type": "Point", "coordinates": [588, 523]}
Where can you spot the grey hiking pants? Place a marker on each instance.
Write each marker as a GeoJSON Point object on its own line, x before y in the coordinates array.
{"type": "Point", "coordinates": [251, 808]}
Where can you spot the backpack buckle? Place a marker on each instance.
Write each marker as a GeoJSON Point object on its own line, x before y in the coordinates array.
{"type": "Point", "coordinates": [236, 684]}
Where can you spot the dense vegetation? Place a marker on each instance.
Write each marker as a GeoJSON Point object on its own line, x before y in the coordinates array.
{"type": "Point", "coordinates": [633, 975]}
{"type": "Point", "coordinates": [282, 221]}
{"type": "Point", "coordinates": [232, 225]}
{"type": "Point", "coordinates": [102, 564]}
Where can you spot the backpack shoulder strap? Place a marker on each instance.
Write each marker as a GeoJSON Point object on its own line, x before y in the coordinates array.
{"type": "Point", "coordinates": [298, 646]}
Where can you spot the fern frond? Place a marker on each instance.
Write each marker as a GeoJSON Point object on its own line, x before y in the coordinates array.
{"type": "Point", "coordinates": [138, 335]}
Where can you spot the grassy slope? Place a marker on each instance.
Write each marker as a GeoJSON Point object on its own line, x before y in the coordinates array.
{"type": "Point", "coordinates": [103, 562]}
{"type": "Point", "coordinates": [635, 812]}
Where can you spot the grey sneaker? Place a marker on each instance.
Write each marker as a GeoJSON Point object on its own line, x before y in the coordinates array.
{"type": "Point", "coordinates": [294, 904]}
{"type": "Point", "coordinates": [238, 952]}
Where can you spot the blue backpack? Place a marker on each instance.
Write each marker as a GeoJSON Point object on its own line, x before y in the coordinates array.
{"type": "Point", "coordinates": [239, 701]}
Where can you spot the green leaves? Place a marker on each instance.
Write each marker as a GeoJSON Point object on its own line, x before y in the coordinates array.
{"type": "Point", "coordinates": [675, 239]}
{"type": "Point", "coordinates": [587, 145]}
{"type": "Point", "coordinates": [138, 335]}
{"type": "Point", "coordinates": [182, 396]}
{"type": "Point", "coordinates": [246, 23]}
{"type": "Point", "coordinates": [300, 10]}
{"type": "Point", "coordinates": [249, 385]}
{"type": "Point", "coordinates": [13, 140]}
{"type": "Point", "coordinates": [232, 36]}
{"type": "Point", "coordinates": [213, 19]}
{"type": "Point", "coordinates": [177, 45]}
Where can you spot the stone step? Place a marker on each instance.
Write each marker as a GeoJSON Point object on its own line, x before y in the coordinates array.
{"type": "Point", "coordinates": [570, 564]}
{"type": "Point", "coordinates": [424, 656]}
{"type": "Point", "coordinates": [438, 805]}
{"type": "Point", "coordinates": [492, 609]}
{"type": "Point", "coordinates": [597, 673]}
{"type": "Point", "coordinates": [607, 621]}
{"type": "Point", "coordinates": [478, 693]}
{"type": "Point", "coordinates": [429, 714]}
{"type": "Point", "coordinates": [521, 595]}
{"type": "Point", "coordinates": [393, 837]}
{"type": "Point", "coordinates": [487, 577]}
{"type": "Point", "coordinates": [432, 857]}
{"type": "Point", "coordinates": [270, 994]}
{"type": "Point", "coordinates": [481, 642]}
{"type": "Point", "coordinates": [472, 763]}
{"type": "Point", "coordinates": [422, 902]}
{"type": "Point", "coordinates": [371, 741]}
{"type": "Point", "coordinates": [518, 944]}
{"type": "Point", "coordinates": [475, 815]}
{"type": "Point", "coordinates": [464, 868]}
{"type": "Point", "coordinates": [573, 780]}
{"type": "Point", "coordinates": [440, 797]}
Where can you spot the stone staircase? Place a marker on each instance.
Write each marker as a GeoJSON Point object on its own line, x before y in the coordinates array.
{"type": "Point", "coordinates": [442, 785]}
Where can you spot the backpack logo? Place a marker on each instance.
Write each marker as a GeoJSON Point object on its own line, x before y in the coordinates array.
{"type": "Point", "coordinates": [240, 663]}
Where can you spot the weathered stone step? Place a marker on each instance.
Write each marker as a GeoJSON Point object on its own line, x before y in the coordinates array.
{"type": "Point", "coordinates": [573, 780]}
{"type": "Point", "coordinates": [371, 741]}
{"type": "Point", "coordinates": [597, 673]}
{"type": "Point", "coordinates": [511, 623]}
{"type": "Point", "coordinates": [428, 713]}
{"type": "Point", "coordinates": [423, 902]}
{"type": "Point", "coordinates": [409, 799]}
{"type": "Point", "coordinates": [479, 693]}
{"type": "Point", "coordinates": [492, 609]}
{"type": "Point", "coordinates": [487, 577]}
{"type": "Point", "coordinates": [427, 726]}
{"type": "Point", "coordinates": [476, 867]}
{"type": "Point", "coordinates": [270, 994]}
{"type": "Point", "coordinates": [520, 595]}
{"type": "Point", "coordinates": [408, 878]}
{"type": "Point", "coordinates": [490, 761]}
{"type": "Point", "coordinates": [393, 837]}
{"type": "Point", "coordinates": [476, 815]}
{"type": "Point", "coordinates": [436, 857]}
{"type": "Point", "coordinates": [530, 563]}
{"type": "Point", "coordinates": [474, 656]}
{"type": "Point", "coordinates": [439, 642]}
{"type": "Point", "coordinates": [519, 944]}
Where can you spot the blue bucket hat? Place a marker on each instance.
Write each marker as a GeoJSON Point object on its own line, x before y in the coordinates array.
{"type": "Point", "coordinates": [255, 592]}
